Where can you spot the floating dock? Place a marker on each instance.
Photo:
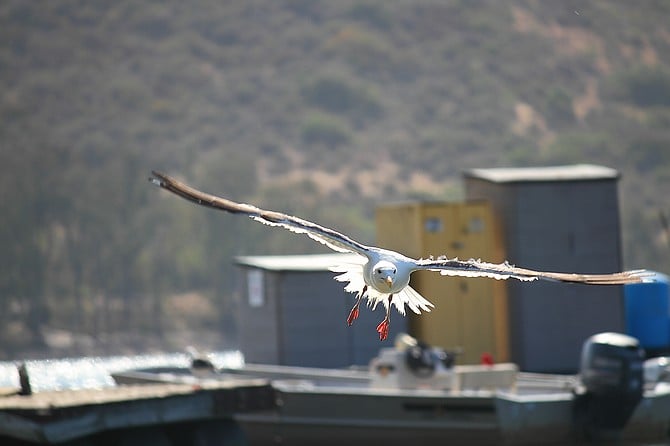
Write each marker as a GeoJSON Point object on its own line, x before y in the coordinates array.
{"type": "Point", "coordinates": [135, 414]}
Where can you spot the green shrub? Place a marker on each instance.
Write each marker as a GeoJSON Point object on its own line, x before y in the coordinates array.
{"type": "Point", "coordinates": [327, 130]}
{"type": "Point", "coordinates": [643, 86]}
{"type": "Point", "coordinates": [340, 96]}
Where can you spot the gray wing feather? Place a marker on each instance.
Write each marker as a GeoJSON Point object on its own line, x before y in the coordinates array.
{"type": "Point", "coordinates": [332, 239]}
{"type": "Point", "coordinates": [501, 271]}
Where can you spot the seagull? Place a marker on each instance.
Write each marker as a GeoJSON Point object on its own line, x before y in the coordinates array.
{"type": "Point", "coordinates": [381, 275]}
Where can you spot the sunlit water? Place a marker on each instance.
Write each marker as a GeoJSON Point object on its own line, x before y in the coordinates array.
{"type": "Point", "coordinates": [95, 372]}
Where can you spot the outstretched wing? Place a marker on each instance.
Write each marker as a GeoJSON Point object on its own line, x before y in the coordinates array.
{"type": "Point", "coordinates": [502, 271]}
{"type": "Point", "coordinates": [333, 239]}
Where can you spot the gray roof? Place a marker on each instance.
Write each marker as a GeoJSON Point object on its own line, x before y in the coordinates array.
{"type": "Point", "coordinates": [305, 262]}
{"type": "Point", "coordinates": [543, 174]}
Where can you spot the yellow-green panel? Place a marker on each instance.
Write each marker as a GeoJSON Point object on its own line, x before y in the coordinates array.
{"type": "Point", "coordinates": [440, 327]}
{"type": "Point", "coordinates": [468, 313]}
{"type": "Point", "coordinates": [478, 319]}
{"type": "Point", "coordinates": [398, 228]}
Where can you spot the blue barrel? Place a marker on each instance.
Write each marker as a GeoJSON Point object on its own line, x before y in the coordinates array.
{"type": "Point", "coordinates": [648, 312]}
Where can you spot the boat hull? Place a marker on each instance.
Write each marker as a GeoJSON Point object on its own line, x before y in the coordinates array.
{"type": "Point", "coordinates": [341, 418]}
{"type": "Point", "coordinates": [336, 407]}
{"type": "Point", "coordinates": [336, 417]}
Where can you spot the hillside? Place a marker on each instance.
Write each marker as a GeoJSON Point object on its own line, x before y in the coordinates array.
{"type": "Point", "coordinates": [319, 108]}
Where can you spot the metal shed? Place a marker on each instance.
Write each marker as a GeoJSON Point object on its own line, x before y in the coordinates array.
{"type": "Point", "coordinates": [292, 312]}
{"type": "Point", "coordinates": [563, 218]}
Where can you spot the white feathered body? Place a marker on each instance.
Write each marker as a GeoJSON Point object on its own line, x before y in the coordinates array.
{"type": "Point", "coordinates": [361, 275]}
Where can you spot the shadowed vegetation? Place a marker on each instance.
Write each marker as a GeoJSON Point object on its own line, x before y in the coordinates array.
{"type": "Point", "coordinates": [310, 107]}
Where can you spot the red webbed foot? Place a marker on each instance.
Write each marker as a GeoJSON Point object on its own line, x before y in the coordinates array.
{"type": "Point", "coordinates": [353, 315]}
{"type": "Point", "coordinates": [383, 329]}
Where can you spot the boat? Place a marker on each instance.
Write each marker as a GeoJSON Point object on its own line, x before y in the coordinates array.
{"type": "Point", "coordinates": [413, 392]}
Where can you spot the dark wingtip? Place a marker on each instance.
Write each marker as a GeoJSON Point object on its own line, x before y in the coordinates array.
{"type": "Point", "coordinates": [644, 276]}
{"type": "Point", "coordinates": [157, 178]}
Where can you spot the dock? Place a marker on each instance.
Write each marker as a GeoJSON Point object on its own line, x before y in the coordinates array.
{"type": "Point", "coordinates": [65, 417]}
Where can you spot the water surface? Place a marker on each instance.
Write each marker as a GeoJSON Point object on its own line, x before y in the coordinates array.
{"type": "Point", "coordinates": [95, 372]}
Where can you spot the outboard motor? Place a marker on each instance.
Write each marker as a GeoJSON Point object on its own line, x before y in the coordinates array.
{"type": "Point", "coordinates": [612, 379]}
{"type": "Point", "coordinates": [412, 364]}
{"type": "Point", "coordinates": [420, 359]}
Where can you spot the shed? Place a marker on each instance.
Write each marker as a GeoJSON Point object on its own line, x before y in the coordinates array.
{"type": "Point", "coordinates": [563, 218]}
{"type": "Point", "coordinates": [292, 312]}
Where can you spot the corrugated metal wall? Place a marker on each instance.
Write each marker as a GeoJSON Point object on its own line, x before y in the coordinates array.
{"type": "Point", "coordinates": [302, 322]}
{"type": "Point", "coordinates": [562, 226]}
{"type": "Point", "coordinates": [259, 324]}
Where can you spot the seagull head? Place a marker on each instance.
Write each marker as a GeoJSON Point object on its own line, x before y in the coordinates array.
{"type": "Point", "coordinates": [384, 275]}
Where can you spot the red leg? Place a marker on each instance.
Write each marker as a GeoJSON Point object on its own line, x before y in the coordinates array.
{"type": "Point", "coordinates": [383, 327]}
{"type": "Point", "coordinates": [353, 314]}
